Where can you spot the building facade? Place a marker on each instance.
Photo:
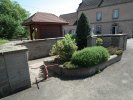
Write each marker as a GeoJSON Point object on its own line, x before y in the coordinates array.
{"type": "Point", "coordinates": [109, 16]}
{"type": "Point", "coordinates": [71, 18]}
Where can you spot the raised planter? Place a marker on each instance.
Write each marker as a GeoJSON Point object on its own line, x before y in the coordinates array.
{"type": "Point", "coordinates": [82, 72]}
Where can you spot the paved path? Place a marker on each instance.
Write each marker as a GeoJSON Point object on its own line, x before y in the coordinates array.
{"type": "Point", "coordinates": [114, 83]}
{"type": "Point", "coordinates": [34, 68]}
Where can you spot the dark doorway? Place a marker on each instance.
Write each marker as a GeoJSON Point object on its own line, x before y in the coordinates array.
{"type": "Point", "coordinates": [115, 28]}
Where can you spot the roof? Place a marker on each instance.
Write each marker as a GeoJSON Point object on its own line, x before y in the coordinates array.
{"type": "Point", "coordinates": [71, 18]}
{"type": "Point", "coordinates": [90, 4]}
{"type": "Point", "coordinates": [114, 2]}
{"type": "Point", "coordinates": [41, 17]}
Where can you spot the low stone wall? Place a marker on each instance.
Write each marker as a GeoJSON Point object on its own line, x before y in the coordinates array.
{"type": "Point", "coordinates": [39, 48]}
{"type": "Point", "coordinates": [81, 72]}
{"type": "Point", "coordinates": [116, 40]}
{"type": "Point", "coordinates": [14, 71]}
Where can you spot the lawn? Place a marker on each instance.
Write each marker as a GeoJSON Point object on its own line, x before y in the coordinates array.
{"type": "Point", "coordinates": [2, 41]}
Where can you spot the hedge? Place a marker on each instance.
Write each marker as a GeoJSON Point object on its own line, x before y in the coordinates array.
{"type": "Point", "coordinates": [90, 56]}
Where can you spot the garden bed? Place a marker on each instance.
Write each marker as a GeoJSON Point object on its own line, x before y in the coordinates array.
{"type": "Point", "coordinates": [58, 70]}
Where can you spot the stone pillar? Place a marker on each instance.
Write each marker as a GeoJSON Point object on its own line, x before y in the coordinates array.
{"type": "Point", "coordinates": [125, 42]}
{"type": "Point", "coordinates": [91, 41]}
{"type": "Point", "coordinates": [14, 70]}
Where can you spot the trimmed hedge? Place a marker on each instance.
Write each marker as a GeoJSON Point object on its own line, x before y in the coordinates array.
{"type": "Point", "coordinates": [90, 56]}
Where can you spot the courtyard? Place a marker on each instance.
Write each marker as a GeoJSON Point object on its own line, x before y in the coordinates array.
{"type": "Point", "coordinates": [114, 83]}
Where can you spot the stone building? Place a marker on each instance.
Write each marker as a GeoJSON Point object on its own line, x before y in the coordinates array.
{"type": "Point", "coordinates": [108, 16]}
{"type": "Point", "coordinates": [71, 18]}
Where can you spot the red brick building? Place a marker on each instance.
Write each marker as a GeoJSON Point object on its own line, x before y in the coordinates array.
{"type": "Point", "coordinates": [45, 25]}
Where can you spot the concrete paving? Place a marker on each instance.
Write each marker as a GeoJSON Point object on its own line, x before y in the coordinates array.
{"type": "Point", "coordinates": [114, 83]}
{"type": "Point", "coordinates": [34, 68]}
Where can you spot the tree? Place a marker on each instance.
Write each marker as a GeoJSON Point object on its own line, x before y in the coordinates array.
{"type": "Point", "coordinates": [11, 18]}
{"type": "Point", "coordinates": [83, 30]}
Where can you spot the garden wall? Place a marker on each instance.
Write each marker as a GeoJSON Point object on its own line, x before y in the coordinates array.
{"type": "Point", "coordinates": [39, 48]}
{"type": "Point", "coordinates": [14, 71]}
{"type": "Point", "coordinates": [116, 40]}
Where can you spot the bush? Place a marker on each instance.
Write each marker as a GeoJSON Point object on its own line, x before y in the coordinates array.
{"type": "Point", "coordinates": [115, 51]}
{"type": "Point", "coordinates": [99, 41]}
{"type": "Point", "coordinates": [64, 48]}
{"type": "Point", "coordinates": [69, 65]}
{"type": "Point", "coordinates": [90, 56]}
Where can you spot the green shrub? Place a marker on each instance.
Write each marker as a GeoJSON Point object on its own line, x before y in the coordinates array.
{"type": "Point", "coordinates": [90, 56]}
{"type": "Point", "coordinates": [69, 65]}
{"type": "Point", "coordinates": [99, 41]}
{"type": "Point", "coordinates": [115, 51]}
{"type": "Point", "coordinates": [64, 48]}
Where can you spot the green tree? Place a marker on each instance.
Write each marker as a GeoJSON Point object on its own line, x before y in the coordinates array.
{"type": "Point", "coordinates": [11, 17]}
{"type": "Point", "coordinates": [83, 30]}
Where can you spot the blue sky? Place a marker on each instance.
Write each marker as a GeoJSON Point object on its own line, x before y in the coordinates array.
{"type": "Point", "coordinates": [51, 6]}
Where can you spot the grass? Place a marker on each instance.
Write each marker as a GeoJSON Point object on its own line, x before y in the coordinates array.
{"type": "Point", "coordinates": [3, 41]}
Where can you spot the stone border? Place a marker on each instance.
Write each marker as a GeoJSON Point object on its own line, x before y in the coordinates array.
{"type": "Point", "coordinates": [81, 72]}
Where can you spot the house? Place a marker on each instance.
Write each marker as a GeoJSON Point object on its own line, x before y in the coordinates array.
{"type": "Point", "coordinates": [109, 16]}
{"type": "Point", "coordinates": [45, 25]}
{"type": "Point", "coordinates": [71, 18]}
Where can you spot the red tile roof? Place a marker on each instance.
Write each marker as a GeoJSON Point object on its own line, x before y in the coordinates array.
{"type": "Point", "coordinates": [44, 18]}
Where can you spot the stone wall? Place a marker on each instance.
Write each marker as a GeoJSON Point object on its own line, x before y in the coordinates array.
{"type": "Point", "coordinates": [39, 48]}
{"type": "Point", "coordinates": [116, 40]}
{"type": "Point", "coordinates": [14, 71]}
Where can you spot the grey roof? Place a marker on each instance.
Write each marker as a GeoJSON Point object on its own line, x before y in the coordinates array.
{"type": "Point", "coordinates": [89, 4]}
{"type": "Point", "coordinates": [114, 2]}
{"type": "Point", "coordinates": [71, 18]}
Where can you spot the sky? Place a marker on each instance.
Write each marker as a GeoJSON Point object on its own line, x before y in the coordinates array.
{"type": "Point", "coordinates": [56, 7]}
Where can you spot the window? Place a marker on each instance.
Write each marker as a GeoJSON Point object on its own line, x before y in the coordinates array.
{"type": "Point", "coordinates": [99, 16]}
{"type": "Point", "coordinates": [98, 29]}
{"type": "Point", "coordinates": [115, 14]}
